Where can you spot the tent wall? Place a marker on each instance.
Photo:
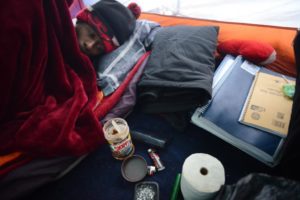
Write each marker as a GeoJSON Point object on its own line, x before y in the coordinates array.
{"type": "Point", "coordinates": [76, 6]}
{"type": "Point", "coordinates": [268, 12]}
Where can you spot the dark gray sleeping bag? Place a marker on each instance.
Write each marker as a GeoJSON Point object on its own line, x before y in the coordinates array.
{"type": "Point", "coordinates": [179, 73]}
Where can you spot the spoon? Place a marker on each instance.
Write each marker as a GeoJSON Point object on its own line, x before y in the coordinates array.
{"type": "Point", "coordinates": [116, 126]}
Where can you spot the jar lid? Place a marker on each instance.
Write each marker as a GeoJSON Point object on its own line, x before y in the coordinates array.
{"type": "Point", "coordinates": [134, 168]}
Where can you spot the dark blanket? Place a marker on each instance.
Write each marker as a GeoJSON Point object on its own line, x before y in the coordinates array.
{"type": "Point", "coordinates": [48, 88]}
{"type": "Point", "coordinates": [260, 186]}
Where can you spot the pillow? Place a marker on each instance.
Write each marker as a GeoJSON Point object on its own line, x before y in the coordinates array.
{"type": "Point", "coordinates": [280, 38]}
{"type": "Point", "coordinates": [178, 75]}
{"type": "Point", "coordinates": [257, 52]}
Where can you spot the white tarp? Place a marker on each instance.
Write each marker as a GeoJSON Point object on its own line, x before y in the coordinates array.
{"type": "Point", "coordinates": [269, 12]}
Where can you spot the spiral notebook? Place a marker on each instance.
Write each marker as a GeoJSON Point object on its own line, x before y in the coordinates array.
{"type": "Point", "coordinates": [266, 106]}
{"type": "Point", "coordinates": [220, 117]}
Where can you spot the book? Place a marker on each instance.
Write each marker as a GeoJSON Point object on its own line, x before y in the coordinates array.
{"type": "Point", "coordinates": [220, 117]}
{"type": "Point", "coordinates": [266, 107]}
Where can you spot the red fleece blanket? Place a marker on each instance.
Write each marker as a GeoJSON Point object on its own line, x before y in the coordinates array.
{"type": "Point", "coordinates": [48, 88]}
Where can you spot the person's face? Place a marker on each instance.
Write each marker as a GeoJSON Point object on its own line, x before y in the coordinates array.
{"type": "Point", "coordinates": [89, 41]}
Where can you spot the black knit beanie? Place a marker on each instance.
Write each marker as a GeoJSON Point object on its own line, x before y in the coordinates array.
{"type": "Point", "coordinates": [118, 19]}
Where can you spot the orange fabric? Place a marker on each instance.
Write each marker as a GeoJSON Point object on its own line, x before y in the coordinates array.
{"type": "Point", "coordinates": [12, 161]}
{"type": "Point", "coordinates": [9, 157]}
{"type": "Point", "coordinates": [100, 97]}
{"type": "Point", "coordinates": [280, 38]}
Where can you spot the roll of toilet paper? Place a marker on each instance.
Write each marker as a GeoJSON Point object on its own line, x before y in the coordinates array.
{"type": "Point", "coordinates": [202, 177]}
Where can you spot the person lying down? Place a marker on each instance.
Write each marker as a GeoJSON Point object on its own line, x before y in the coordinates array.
{"type": "Point", "coordinates": [110, 34]}
{"type": "Point", "coordinates": [114, 40]}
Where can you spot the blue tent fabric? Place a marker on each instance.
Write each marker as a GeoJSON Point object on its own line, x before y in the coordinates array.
{"type": "Point", "coordinates": [99, 175]}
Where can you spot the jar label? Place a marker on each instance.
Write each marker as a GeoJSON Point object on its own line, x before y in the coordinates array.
{"type": "Point", "coordinates": [122, 148]}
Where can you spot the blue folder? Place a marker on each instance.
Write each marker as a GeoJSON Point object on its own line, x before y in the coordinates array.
{"type": "Point", "coordinates": [232, 81]}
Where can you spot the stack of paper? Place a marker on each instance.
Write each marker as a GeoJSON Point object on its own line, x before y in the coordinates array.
{"type": "Point", "coordinates": [266, 106]}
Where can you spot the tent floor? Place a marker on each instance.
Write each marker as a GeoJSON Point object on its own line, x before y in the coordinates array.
{"type": "Point", "coordinates": [98, 176]}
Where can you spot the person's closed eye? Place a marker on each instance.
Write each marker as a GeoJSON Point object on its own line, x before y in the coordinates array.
{"type": "Point", "coordinates": [93, 36]}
